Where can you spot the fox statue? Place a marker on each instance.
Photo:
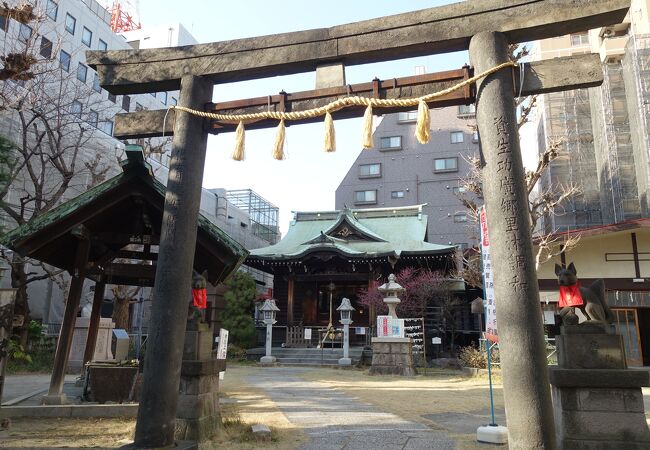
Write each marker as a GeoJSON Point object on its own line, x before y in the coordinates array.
{"type": "Point", "coordinates": [590, 300]}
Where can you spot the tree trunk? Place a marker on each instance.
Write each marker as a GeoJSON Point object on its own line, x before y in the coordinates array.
{"type": "Point", "coordinates": [121, 313]}
{"type": "Point", "coordinates": [21, 307]}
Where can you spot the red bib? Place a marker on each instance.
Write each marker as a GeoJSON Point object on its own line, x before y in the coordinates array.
{"type": "Point", "coordinates": [570, 296]}
{"type": "Point", "coordinates": [200, 298]}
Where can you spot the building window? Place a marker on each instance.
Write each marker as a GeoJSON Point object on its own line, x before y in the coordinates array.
{"type": "Point", "coordinates": [174, 101]}
{"type": "Point", "coordinates": [409, 116]}
{"type": "Point", "coordinates": [82, 72]}
{"type": "Point", "coordinates": [75, 109]}
{"type": "Point", "coordinates": [460, 217]}
{"type": "Point", "coordinates": [46, 47]}
{"type": "Point", "coordinates": [163, 97]}
{"type": "Point", "coordinates": [365, 197]}
{"type": "Point", "coordinates": [70, 23]}
{"type": "Point", "coordinates": [369, 170]}
{"type": "Point", "coordinates": [86, 37]}
{"type": "Point", "coordinates": [64, 59]}
{"type": "Point", "coordinates": [445, 165]}
{"type": "Point", "coordinates": [397, 194]}
{"type": "Point", "coordinates": [101, 45]}
{"type": "Point", "coordinates": [579, 39]}
{"type": "Point", "coordinates": [466, 110]}
{"type": "Point", "coordinates": [96, 85]}
{"type": "Point", "coordinates": [93, 118]}
{"type": "Point", "coordinates": [24, 33]}
{"type": "Point", "coordinates": [112, 97]}
{"type": "Point", "coordinates": [391, 143]}
{"type": "Point", "coordinates": [52, 9]}
{"type": "Point", "coordinates": [126, 103]}
{"type": "Point", "coordinates": [457, 137]}
{"type": "Point", "coordinates": [107, 127]}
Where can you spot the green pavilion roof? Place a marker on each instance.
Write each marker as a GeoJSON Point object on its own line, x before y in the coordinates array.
{"type": "Point", "coordinates": [354, 233]}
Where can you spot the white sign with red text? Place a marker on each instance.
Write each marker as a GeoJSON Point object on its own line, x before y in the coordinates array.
{"type": "Point", "coordinates": [488, 282]}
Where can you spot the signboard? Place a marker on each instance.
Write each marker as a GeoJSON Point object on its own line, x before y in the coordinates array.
{"type": "Point", "coordinates": [308, 334]}
{"type": "Point", "coordinates": [387, 326]}
{"type": "Point", "coordinates": [222, 350]}
{"type": "Point", "coordinates": [384, 326]}
{"type": "Point", "coordinates": [436, 340]}
{"type": "Point", "coordinates": [488, 282]}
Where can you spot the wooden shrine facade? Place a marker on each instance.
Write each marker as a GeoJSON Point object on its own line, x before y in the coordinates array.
{"type": "Point", "coordinates": [338, 253]}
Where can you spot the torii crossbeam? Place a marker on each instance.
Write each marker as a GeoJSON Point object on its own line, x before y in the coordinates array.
{"type": "Point", "coordinates": [485, 27]}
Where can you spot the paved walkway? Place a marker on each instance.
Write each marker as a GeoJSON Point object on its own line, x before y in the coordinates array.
{"type": "Point", "coordinates": [28, 385]}
{"type": "Point", "coordinates": [336, 421]}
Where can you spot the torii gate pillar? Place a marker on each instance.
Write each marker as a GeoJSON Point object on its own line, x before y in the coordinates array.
{"type": "Point", "coordinates": [529, 410]}
{"type": "Point", "coordinates": [162, 364]}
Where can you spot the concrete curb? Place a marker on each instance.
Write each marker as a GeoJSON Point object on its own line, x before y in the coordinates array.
{"type": "Point", "coordinates": [121, 410]}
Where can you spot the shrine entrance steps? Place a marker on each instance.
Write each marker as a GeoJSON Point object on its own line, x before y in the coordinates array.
{"type": "Point", "coordinates": [308, 356]}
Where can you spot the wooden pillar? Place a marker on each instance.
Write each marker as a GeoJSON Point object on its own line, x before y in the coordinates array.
{"type": "Point", "coordinates": [55, 395]}
{"type": "Point", "coordinates": [93, 328]}
{"type": "Point", "coordinates": [526, 390]}
{"type": "Point", "coordinates": [290, 288]}
{"type": "Point", "coordinates": [172, 289]}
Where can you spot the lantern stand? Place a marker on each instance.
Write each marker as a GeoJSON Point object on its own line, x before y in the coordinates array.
{"type": "Point", "coordinates": [269, 309]}
{"type": "Point", "coordinates": [346, 309]}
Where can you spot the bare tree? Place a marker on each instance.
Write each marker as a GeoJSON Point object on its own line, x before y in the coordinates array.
{"type": "Point", "coordinates": [544, 202]}
{"type": "Point", "coordinates": [53, 118]}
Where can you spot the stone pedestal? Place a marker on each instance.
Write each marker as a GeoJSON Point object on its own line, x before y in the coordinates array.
{"type": "Point", "coordinates": [197, 415]}
{"type": "Point", "coordinates": [597, 400]}
{"type": "Point", "coordinates": [79, 338]}
{"type": "Point", "coordinates": [392, 356]}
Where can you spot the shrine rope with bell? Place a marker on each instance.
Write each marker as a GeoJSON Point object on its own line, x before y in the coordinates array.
{"type": "Point", "coordinates": [421, 129]}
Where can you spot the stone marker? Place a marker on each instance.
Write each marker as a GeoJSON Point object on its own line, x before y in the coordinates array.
{"type": "Point", "coordinates": [261, 432]}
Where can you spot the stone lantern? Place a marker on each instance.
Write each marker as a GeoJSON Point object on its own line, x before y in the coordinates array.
{"type": "Point", "coordinates": [269, 309]}
{"type": "Point", "coordinates": [390, 291]}
{"type": "Point", "coordinates": [346, 309]}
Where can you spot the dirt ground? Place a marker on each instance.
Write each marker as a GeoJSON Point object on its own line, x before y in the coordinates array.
{"type": "Point", "coordinates": [434, 399]}
{"type": "Point", "coordinates": [242, 407]}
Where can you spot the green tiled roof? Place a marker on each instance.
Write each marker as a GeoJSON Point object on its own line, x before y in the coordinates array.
{"type": "Point", "coordinates": [377, 232]}
{"type": "Point", "coordinates": [135, 167]}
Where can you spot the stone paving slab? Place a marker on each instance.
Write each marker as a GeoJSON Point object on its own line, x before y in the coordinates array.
{"type": "Point", "coordinates": [335, 421]}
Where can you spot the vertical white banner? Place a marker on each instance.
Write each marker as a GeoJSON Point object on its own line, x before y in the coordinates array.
{"type": "Point", "coordinates": [488, 282]}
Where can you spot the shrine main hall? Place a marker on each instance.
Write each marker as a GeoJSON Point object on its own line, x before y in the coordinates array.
{"type": "Point", "coordinates": [326, 256]}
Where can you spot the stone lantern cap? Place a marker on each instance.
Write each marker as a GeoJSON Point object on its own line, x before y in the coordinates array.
{"type": "Point", "coordinates": [269, 305]}
{"type": "Point", "coordinates": [345, 305]}
{"type": "Point", "coordinates": [391, 289]}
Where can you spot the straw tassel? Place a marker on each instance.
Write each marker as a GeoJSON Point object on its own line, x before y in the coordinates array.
{"type": "Point", "coordinates": [278, 149]}
{"type": "Point", "coordinates": [238, 153]}
{"type": "Point", "coordinates": [367, 128]}
{"type": "Point", "coordinates": [423, 124]}
{"type": "Point", "coordinates": [330, 138]}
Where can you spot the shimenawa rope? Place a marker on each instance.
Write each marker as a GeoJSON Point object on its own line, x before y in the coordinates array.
{"type": "Point", "coordinates": [421, 129]}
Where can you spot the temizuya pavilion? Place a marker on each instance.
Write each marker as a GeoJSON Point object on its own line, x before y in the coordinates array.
{"type": "Point", "coordinates": [342, 252]}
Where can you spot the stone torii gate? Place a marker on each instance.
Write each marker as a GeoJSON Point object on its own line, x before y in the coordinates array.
{"type": "Point", "coordinates": [486, 27]}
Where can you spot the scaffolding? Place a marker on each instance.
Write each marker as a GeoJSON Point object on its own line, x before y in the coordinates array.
{"type": "Point", "coordinates": [262, 213]}
{"type": "Point", "coordinates": [636, 70]}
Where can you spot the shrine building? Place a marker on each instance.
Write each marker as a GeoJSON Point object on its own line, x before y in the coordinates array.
{"type": "Point", "coordinates": [328, 255]}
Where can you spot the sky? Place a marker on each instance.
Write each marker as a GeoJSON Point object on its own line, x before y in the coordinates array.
{"type": "Point", "coordinates": [307, 179]}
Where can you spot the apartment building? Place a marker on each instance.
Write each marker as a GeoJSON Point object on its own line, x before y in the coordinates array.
{"type": "Point", "coordinates": [399, 171]}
